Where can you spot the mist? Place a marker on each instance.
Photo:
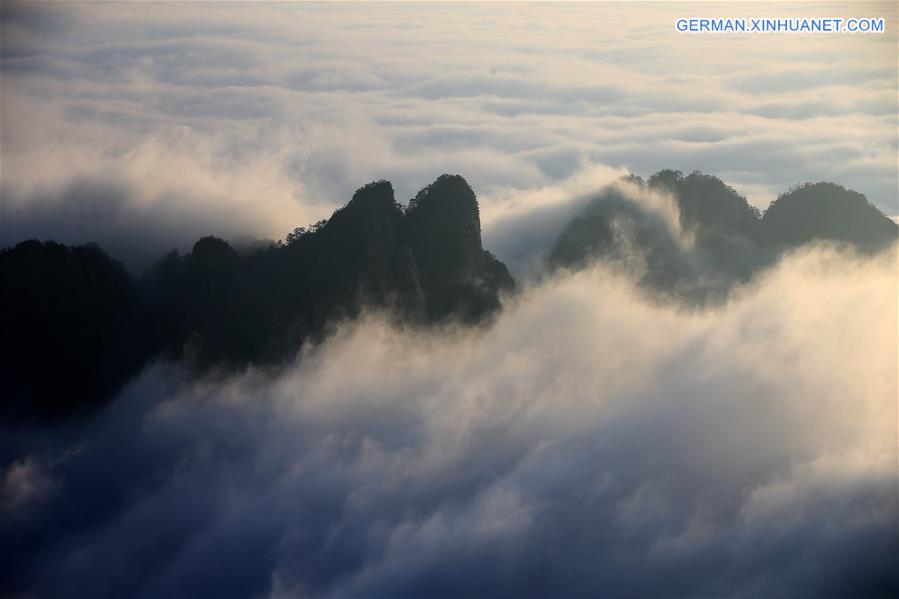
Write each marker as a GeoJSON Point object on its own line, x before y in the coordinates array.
{"type": "Point", "coordinates": [590, 441]}
{"type": "Point", "coordinates": [426, 331]}
{"type": "Point", "coordinates": [216, 119]}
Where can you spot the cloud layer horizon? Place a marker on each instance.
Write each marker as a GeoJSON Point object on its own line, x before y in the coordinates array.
{"type": "Point", "coordinates": [143, 126]}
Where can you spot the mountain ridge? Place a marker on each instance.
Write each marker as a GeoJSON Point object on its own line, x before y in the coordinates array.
{"type": "Point", "coordinates": [216, 308]}
{"type": "Point", "coordinates": [219, 309]}
{"type": "Point", "coordinates": [729, 240]}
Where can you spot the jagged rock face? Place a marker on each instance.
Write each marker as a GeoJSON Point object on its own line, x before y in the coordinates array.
{"type": "Point", "coordinates": [427, 262]}
{"type": "Point", "coordinates": [360, 245]}
{"type": "Point", "coordinates": [410, 297]}
{"type": "Point", "coordinates": [444, 230]}
{"type": "Point", "coordinates": [826, 211]}
{"type": "Point", "coordinates": [369, 254]}
{"type": "Point", "coordinates": [458, 277]}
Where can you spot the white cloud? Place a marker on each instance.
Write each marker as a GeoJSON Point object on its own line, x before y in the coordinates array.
{"type": "Point", "coordinates": [289, 108]}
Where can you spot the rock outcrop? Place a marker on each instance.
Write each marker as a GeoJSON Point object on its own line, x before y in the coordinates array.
{"type": "Point", "coordinates": [458, 277]}
{"type": "Point", "coordinates": [217, 308]}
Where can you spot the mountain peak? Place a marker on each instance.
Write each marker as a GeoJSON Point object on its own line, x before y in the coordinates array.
{"type": "Point", "coordinates": [707, 204]}
{"type": "Point", "coordinates": [446, 189]}
{"type": "Point", "coordinates": [826, 211]}
{"type": "Point", "coordinates": [380, 191]}
{"type": "Point", "coordinates": [216, 307]}
{"type": "Point", "coordinates": [730, 242]}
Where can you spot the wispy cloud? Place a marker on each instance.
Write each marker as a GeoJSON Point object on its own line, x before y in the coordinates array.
{"type": "Point", "coordinates": [240, 120]}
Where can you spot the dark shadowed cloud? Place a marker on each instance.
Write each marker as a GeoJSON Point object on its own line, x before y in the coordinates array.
{"type": "Point", "coordinates": [588, 443]}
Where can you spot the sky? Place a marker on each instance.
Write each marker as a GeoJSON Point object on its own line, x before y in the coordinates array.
{"type": "Point", "coordinates": [143, 126]}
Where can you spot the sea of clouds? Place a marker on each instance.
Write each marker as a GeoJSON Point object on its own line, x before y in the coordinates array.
{"type": "Point", "coordinates": [143, 126]}
{"type": "Point", "coordinates": [590, 442]}
{"type": "Point", "coordinates": [593, 440]}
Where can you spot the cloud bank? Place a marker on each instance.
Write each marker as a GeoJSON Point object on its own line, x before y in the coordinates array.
{"type": "Point", "coordinates": [248, 122]}
{"type": "Point", "coordinates": [588, 443]}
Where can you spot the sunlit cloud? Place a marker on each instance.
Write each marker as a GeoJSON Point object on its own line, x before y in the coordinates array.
{"type": "Point", "coordinates": [589, 441]}
{"type": "Point", "coordinates": [256, 121]}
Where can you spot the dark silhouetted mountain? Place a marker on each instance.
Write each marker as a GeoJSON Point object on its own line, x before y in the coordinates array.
{"type": "Point", "coordinates": [366, 258]}
{"type": "Point", "coordinates": [443, 228]}
{"type": "Point", "coordinates": [723, 227]}
{"type": "Point", "coordinates": [74, 311]}
{"type": "Point", "coordinates": [70, 334]}
{"type": "Point", "coordinates": [191, 302]}
{"type": "Point", "coordinates": [708, 206]}
{"type": "Point", "coordinates": [826, 211]}
{"type": "Point", "coordinates": [424, 265]}
{"type": "Point", "coordinates": [720, 239]}
{"type": "Point", "coordinates": [220, 309]}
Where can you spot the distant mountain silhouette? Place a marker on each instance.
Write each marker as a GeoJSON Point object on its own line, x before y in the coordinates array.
{"type": "Point", "coordinates": [708, 207]}
{"type": "Point", "coordinates": [826, 211]}
{"type": "Point", "coordinates": [726, 239]}
{"type": "Point", "coordinates": [75, 311]}
{"type": "Point", "coordinates": [76, 327]}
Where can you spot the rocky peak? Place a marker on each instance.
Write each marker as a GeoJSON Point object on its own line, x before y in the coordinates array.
{"type": "Point", "coordinates": [443, 227]}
